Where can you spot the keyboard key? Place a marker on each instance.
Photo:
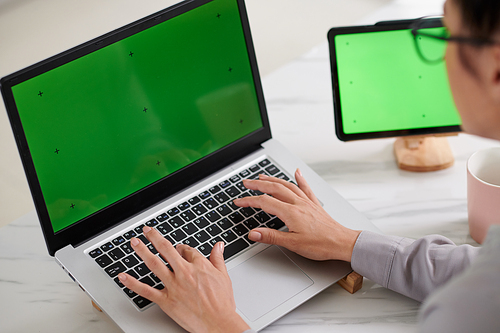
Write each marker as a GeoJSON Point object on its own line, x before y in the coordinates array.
{"type": "Point", "coordinates": [235, 179]}
{"type": "Point", "coordinates": [141, 302]}
{"type": "Point", "coordinates": [174, 211]}
{"type": "Point", "coordinates": [194, 200]}
{"type": "Point", "coordinates": [264, 163]}
{"type": "Point", "coordinates": [232, 191]}
{"type": "Point", "coordinates": [204, 195]}
{"type": "Point", "coordinates": [129, 234]}
{"type": "Point", "coordinates": [104, 260]}
{"type": "Point", "coordinates": [167, 237]}
{"type": "Point", "coordinates": [189, 228]}
{"type": "Point", "coordinates": [191, 242]}
{"type": "Point", "coordinates": [118, 282]}
{"type": "Point", "coordinates": [176, 222]}
{"type": "Point", "coordinates": [244, 174]}
{"type": "Point", "coordinates": [234, 248]}
{"type": "Point", "coordinates": [164, 228]}
{"type": "Point", "coordinates": [201, 222]}
{"type": "Point", "coordinates": [201, 236]}
{"type": "Point", "coordinates": [221, 197]}
{"type": "Point", "coordinates": [241, 187]}
{"type": "Point", "coordinates": [210, 203]}
{"type": "Point", "coordinates": [162, 217]}
{"type": "Point", "coordinates": [138, 229]}
{"type": "Point", "coordinates": [147, 280]}
{"type": "Point", "coordinates": [236, 217]}
{"type": "Point", "coordinates": [283, 176]}
{"type": "Point", "coordinates": [199, 209]}
{"type": "Point", "coordinates": [183, 206]}
{"type": "Point", "coordinates": [142, 269]}
{"type": "Point", "coordinates": [95, 253]}
{"type": "Point", "coordinates": [214, 189]}
{"type": "Point", "coordinates": [155, 278]}
{"type": "Point", "coordinates": [143, 239]}
{"type": "Point", "coordinates": [106, 247]}
{"type": "Point", "coordinates": [215, 240]}
{"type": "Point", "coordinates": [205, 249]}
{"type": "Point", "coordinates": [251, 223]}
{"type": "Point", "coordinates": [160, 286]}
{"type": "Point", "coordinates": [247, 211]}
{"type": "Point", "coordinates": [132, 273]}
{"type": "Point", "coordinates": [275, 223]}
{"type": "Point", "coordinates": [129, 293]}
{"type": "Point", "coordinates": [213, 230]}
{"type": "Point", "coordinates": [116, 254]}
{"type": "Point", "coordinates": [225, 224]}
{"type": "Point", "coordinates": [240, 230]}
{"type": "Point", "coordinates": [272, 170]}
{"type": "Point", "coordinates": [127, 248]}
{"type": "Point", "coordinates": [114, 269]}
{"type": "Point", "coordinates": [151, 223]}
{"type": "Point", "coordinates": [212, 216]}
{"type": "Point", "coordinates": [130, 261]}
{"type": "Point", "coordinates": [262, 217]}
{"type": "Point", "coordinates": [152, 249]}
{"type": "Point", "coordinates": [223, 210]}
{"type": "Point", "coordinates": [254, 168]}
{"type": "Point", "coordinates": [229, 236]}
{"type": "Point", "coordinates": [225, 184]}
{"type": "Point", "coordinates": [118, 241]}
{"type": "Point", "coordinates": [232, 205]}
{"type": "Point", "coordinates": [188, 215]}
{"type": "Point", "coordinates": [178, 235]}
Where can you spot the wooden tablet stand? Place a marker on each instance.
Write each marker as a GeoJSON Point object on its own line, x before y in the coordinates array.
{"type": "Point", "coordinates": [423, 153]}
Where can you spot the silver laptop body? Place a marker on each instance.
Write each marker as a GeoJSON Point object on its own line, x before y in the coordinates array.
{"type": "Point", "coordinates": [128, 128]}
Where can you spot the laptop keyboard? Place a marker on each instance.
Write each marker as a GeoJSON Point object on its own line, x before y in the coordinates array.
{"type": "Point", "coordinates": [200, 222]}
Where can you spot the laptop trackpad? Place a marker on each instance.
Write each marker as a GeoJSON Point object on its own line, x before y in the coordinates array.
{"type": "Point", "coordinates": [265, 281]}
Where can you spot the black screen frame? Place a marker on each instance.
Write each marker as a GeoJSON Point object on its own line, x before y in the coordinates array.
{"type": "Point", "coordinates": [140, 201]}
{"type": "Point", "coordinates": [339, 128]}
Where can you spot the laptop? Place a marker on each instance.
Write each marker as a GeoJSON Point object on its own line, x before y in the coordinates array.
{"type": "Point", "coordinates": [157, 123]}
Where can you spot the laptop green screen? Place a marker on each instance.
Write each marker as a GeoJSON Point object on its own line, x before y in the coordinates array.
{"type": "Point", "coordinates": [385, 86]}
{"type": "Point", "coordinates": [106, 125]}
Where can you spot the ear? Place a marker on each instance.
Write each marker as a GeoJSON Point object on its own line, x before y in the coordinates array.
{"type": "Point", "coordinates": [495, 74]}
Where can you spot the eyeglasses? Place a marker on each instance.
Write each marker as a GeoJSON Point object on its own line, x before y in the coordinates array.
{"type": "Point", "coordinates": [431, 39]}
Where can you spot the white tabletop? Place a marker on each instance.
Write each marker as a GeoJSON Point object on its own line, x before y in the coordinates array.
{"type": "Point", "coordinates": [37, 296]}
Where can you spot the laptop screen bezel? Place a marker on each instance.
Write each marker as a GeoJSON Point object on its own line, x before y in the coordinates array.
{"type": "Point", "coordinates": [140, 201]}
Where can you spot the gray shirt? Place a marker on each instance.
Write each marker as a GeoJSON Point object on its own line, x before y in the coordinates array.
{"type": "Point", "coordinates": [464, 280]}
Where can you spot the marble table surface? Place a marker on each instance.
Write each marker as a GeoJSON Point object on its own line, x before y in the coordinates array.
{"type": "Point", "coordinates": [37, 296]}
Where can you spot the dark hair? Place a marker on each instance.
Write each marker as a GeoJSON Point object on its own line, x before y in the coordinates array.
{"type": "Point", "coordinates": [481, 17]}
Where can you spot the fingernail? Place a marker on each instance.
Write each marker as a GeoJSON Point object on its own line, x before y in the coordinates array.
{"type": "Point", "coordinates": [146, 229]}
{"type": "Point", "coordinates": [261, 176]}
{"type": "Point", "coordinates": [122, 277]}
{"type": "Point", "coordinates": [299, 172]}
{"type": "Point", "coordinates": [221, 247]}
{"type": "Point", "coordinates": [134, 241]}
{"type": "Point", "coordinates": [255, 236]}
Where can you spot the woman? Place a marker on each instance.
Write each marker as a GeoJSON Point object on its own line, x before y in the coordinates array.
{"type": "Point", "coordinates": [199, 295]}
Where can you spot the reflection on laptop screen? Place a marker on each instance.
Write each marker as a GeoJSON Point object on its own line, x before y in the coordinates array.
{"type": "Point", "coordinates": [114, 121]}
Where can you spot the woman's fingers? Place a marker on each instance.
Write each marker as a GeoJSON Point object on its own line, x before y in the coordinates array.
{"type": "Point", "coordinates": [164, 247]}
{"type": "Point", "coordinates": [304, 186]}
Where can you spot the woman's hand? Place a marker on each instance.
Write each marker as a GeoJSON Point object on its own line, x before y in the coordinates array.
{"type": "Point", "coordinates": [198, 294]}
{"type": "Point", "coordinates": [312, 232]}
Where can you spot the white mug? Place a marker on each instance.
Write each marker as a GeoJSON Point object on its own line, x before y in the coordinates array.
{"type": "Point", "coordinates": [483, 192]}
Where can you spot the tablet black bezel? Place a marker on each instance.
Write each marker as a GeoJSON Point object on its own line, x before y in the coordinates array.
{"type": "Point", "coordinates": [339, 131]}
{"type": "Point", "coordinates": [140, 201]}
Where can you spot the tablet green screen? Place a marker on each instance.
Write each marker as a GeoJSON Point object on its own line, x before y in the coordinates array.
{"type": "Point", "coordinates": [385, 86]}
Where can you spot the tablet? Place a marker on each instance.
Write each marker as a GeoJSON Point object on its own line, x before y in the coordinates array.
{"type": "Point", "coordinates": [382, 87]}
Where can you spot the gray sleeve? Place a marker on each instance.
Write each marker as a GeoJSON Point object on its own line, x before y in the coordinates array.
{"type": "Point", "coordinates": [410, 267]}
{"type": "Point", "coordinates": [471, 301]}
